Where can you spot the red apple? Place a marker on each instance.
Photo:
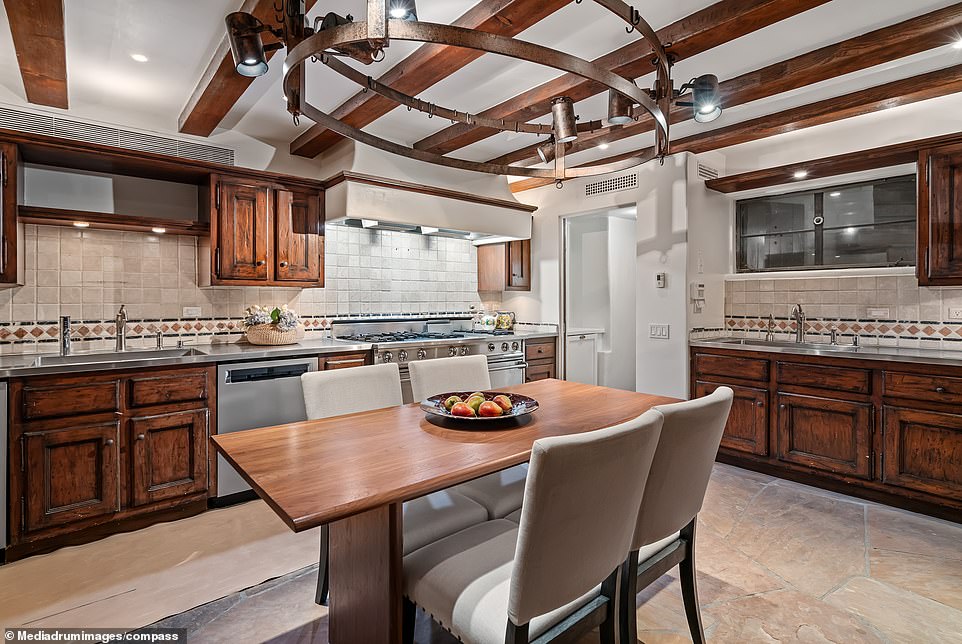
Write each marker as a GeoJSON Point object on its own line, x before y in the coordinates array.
{"type": "Point", "coordinates": [503, 402]}
{"type": "Point", "coordinates": [489, 409]}
{"type": "Point", "coordinates": [462, 409]}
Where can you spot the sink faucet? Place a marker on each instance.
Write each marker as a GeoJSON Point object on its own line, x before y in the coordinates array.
{"type": "Point", "coordinates": [122, 328]}
{"type": "Point", "coordinates": [834, 337]}
{"type": "Point", "coordinates": [799, 316]}
{"type": "Point", "coordinates": [65, 335]}
{"type": "Point", "coordinates": [770, 333]}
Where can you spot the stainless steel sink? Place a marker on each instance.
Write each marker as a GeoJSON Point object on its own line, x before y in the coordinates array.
{"type": "Point", "coordinates": [811, 346]}
{"type": "Point", "coordinates": [116, 356]}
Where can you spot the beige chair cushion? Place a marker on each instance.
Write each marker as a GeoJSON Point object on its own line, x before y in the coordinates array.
{"type": "Point", "coordinates": [500, 493]}
{"type": "Point", "coordinates": [683, 462]}
{"type": "Point", "coordinates": [646, 552]}
{"type": "Point", "coordinates": [430, 377]}
{"type": "Point", "coordinates": [348, 391]}
{"type": "Point", "coordinates": [515, 516]}
{"type": "Point", "coordinates": [432, 517]}
{"type": "Point", "coordinates": [463, 582]}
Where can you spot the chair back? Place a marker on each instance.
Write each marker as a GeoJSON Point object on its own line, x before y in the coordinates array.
{"type": "Point", "coordinates": [347, 391]}
{"type": "Point", "coordinates": [580, 499]}
{"type": "Point", "coordinates": [430, 377]}
{"type": "Point", "coordinates": [682, 466]}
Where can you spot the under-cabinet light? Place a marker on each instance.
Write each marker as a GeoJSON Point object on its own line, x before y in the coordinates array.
{"type": "Point", "coordinates": [82, 224]}
{"type": "Point", "coordinates": [158, 230]}
{"type": "Point", "coordinates": [800, 174]}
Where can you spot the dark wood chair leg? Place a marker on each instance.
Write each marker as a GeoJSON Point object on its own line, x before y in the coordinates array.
{"type": "Point", "coordinates": [627, 620]}
{"type": "Point", "coordinates": [516, 634]}
{"type": "Point", "coordinates": [608, 629]}
{"type": "Point", "coordinates": [689, 584]}
{"type": "Point", "coordinates": [323, 581]}
{"type": "Point", "coordinates": [409, 615]}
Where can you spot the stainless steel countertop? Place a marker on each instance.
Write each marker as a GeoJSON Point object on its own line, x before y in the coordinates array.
{"type": "Point", "coordinates": [17, 365]}
{"type": "Point", "coordinates": [891, 354]}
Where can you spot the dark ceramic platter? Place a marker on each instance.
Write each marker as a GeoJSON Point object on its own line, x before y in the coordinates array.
{"type": "Point", "coordinates": [520, 405]}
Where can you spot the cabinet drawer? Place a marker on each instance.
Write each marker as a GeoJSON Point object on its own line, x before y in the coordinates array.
{"type": "Point", "coordinates": [856, 381]}
{"type": "Point", "coordinates": [173, 388]}
{"type": "Point", "coordinates": [540, 371]}
{"type": "Point", "coordinates": [539, 350]}
{"type": "Point", "coordinates": [731, 366]}
{"type": "Point", "coordinates": [342, 361]}
{"type": "Point", "coordinates": [55, 401]}
{"type": "Point", "coordinates": [919, 387]}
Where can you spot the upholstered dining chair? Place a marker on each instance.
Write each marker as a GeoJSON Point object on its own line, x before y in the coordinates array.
{"type": "Point", "coordinates": [555, 572]}
{"type": "Point", "coordinates": [502, 492]}
{"type": "Point", "coordinates": [665, 533]}
{"type": "Point", "coordinates": [347, 391]}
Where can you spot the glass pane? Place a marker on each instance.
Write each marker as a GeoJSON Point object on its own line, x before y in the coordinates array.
{"type": "Point", "coordinates": [785, 213]}
{"type": "Point", "coordinates": [884, 201]}
{"type": "Point", "coordinates": [882, 245]}
{"type": "Point", "coordinates": [768, 252]}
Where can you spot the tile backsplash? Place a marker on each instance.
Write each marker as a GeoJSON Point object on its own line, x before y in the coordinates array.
{"type": "Point", "coordinates": [87, 274]}
{"type": "Point", "coordinates": [890, 309]}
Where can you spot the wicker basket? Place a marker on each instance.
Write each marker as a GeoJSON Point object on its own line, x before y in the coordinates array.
{"type": "Point", "coordinates": [268, 334]}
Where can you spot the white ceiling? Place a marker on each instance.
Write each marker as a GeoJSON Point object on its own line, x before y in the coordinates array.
{"type": "Point", "coordinates": [178, 37]}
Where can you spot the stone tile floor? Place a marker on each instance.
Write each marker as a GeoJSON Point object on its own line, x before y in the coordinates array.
{"type": "Point", "coordinates": [777, 562]}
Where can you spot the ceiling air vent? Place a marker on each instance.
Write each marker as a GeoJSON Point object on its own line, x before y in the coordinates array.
{"type": "Point", "coordinates": [615, 184]}
{"type": "Point", "coordinates": [50, 125]}
{"type": "Point", "coordinates": [706, 172]}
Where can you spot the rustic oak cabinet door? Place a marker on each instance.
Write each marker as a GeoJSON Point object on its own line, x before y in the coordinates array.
{"type": "Point", "coordinates": [8, 213]}
{"type": "Point", "coordinates": [243, 231]}
{"type": "Point", "coordinates": [519, 265]}
{"type": "Point", "coordinates": [168, 455]}
{"type": "Point", "coordinates": [299, 252]}
{"type": "Point", "coordinates": [922, 450]}
{"type": "Point", "coordinates": [539, 372]}
{"type": "Point", "coordinates": [343, 361]}
{"type": "Point", "coordinates": [747, 428]}
{"type": "Point", "coordinates": [826, 434]}
{"type": "Point", "coordinates": [940, 217]}
{"type": "Point", "coordinates": [71, 474]}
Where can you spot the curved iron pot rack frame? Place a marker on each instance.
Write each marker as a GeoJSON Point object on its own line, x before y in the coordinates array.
{"type": "Point", "coordinates": [377, 32]}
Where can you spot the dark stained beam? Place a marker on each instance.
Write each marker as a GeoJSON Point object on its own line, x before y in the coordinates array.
{"type": "Point", "coordinates": [220, 86]}
{"type": "Point", "coordinates": [37, 30]}
{"type": "Point", "coordinates": [428, 65]}
{"type": "Point", "coordinates": [922, 33]}
{"type": "Point", "coordinates": [694, 34]}
{"type": "Point", "coordinates": [881, 97]}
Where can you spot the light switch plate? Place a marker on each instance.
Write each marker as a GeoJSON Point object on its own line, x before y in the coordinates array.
{"type": "Point", "coordinates": [658, 331]}
{"type": "Point", "coordinates": [877, 313]}
{"type": "Point", "coordinates": [955, 312]}
{"type": "Point", "coordinates": [191, 311]}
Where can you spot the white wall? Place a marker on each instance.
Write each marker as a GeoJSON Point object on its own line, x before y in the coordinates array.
{"type": "Point", "coordinates": [710, 220]}
{"type": "Point", "coordinates": [617, 366]}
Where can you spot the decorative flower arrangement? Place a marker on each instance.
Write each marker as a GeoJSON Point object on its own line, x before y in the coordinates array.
{"type": "Point", "coordinates": [271, 325]}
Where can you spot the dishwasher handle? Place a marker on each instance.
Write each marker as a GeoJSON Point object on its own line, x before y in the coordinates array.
{"type": "Point", "coordinates": [242, 375]}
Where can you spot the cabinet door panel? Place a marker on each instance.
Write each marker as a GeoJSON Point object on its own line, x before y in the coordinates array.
{"type": "Point", "coordinates": [8, 213]}
{"type": "Point", "coordinates": [519, 265]}
{"type": "Point", "coordinates": [168, 455]}
{"type": "Point", "coordinates": [178, 387]}
{"type": "Point", "coordinates": [940, 217]}
{"type": "Point", "coordinates": [922, 450]}
{"type": "Point", "coordinates": [299, 244]}
{"type": "Point", "coordinates": [747, 428]}
{"type": "Point", "coordinates": [242, 232]}
{"type": "Point", "coordinates": [539, 372]}
{"type": "Point", "coordinates": [71, 474]}
{"type": "Point", "coordinates": [831, 435]}
{"type": "Point", "coordinates": [491, 267]}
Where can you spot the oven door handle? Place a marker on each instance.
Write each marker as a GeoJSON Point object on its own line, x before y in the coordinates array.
{"type": "Point", "coordinates": [508, 367]}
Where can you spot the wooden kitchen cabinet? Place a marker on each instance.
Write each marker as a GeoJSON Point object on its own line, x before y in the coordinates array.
{"type": "Point", "coordinates": [923, 450]}
{"type": "Point", "coordinates": [940, 217]}
{"type": "Point", "coordinates": [540, 356]}
{"type": "Point", "coordinates": [299, 239]}
{"type": "Point", "coordinates": [505, 266]}
{"type": "Point", "coordinates": [168, 455]}
{"type": "Point", "coordinates": [747, 427]}
{"type": "Point", "coordinates": [9, 250]}
{"type": "Point", "coordinates": [343, 360]}
{"type": "Point", "coordinates": [821, 433]}
{"type": "Point", "coordinates": [243, 221]}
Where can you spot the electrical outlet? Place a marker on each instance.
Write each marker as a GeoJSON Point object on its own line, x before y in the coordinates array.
{"type": "Point", "coordinates": [191, 311]}
{"type": "Point", "coordinates": [877, 313]}
{"type": "Point", "coordinates": [955, 312]}
{"type": "Point", "coordinates": [658, 331]}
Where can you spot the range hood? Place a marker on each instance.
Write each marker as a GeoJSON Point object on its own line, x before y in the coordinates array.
{"type": "Point", "coordinates": [372, 189]}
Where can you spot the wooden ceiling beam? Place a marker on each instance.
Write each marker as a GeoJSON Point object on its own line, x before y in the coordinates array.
{"type": "Point", "coordinates": [922, 33]}
{"type": "Point", "coordinates": [694, 34]}
{"type": "Point", "coordinates": [38, 37]}
{"type": "Point", "coordinates": [881, 97]}
{"type": "Point", "coordinates": [428, 65]}
{"type": "Point", "coordinates": [220, 86]}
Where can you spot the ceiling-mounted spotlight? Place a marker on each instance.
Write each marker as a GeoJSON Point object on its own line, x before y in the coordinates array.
{"type": "Point", "coordinates": [402, 9]}
{"type": "Point", "coordinates": [619, 108]}
{"type": "Point", "coordinates": [563, 118]}
{"type": "Point", "coordinates": [705, 98]}
{"type": "Point", "coordinates": [246, 45]}
{"type": "Point", "coordinates": [546, 150]}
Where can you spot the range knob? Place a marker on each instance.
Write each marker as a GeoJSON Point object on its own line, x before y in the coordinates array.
{"type": "Point", "coordinates": [491, 346]}
{"type": "Point", "coordinates": [504, 346]}
{"type": "Point", "coordinates": [452, 351]}
{"type": "Point", "coordinates": [387, 356]}
{"type": "Point", "coordinates": [422, 354]}
{"type": "Point", "coordinates": [402, 355]}
{"type": "Point", "coordinates": [515, 346]}
{"type": "Point", "coordinates": [464, 351]}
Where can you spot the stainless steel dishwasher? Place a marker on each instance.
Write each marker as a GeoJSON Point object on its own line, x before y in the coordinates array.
{"type": "Point", "coordinates": [252, 395]}
{"type": "Point", "coordinates": [3, 468]}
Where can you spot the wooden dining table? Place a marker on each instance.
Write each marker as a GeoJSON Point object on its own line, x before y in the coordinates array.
{"type": "Point", "coordinates": [353, 472]}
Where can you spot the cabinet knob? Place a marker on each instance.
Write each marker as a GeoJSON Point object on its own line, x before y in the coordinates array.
{"type": "Point", "coordinates": [940, 390]}
{"type": "Point", "coordinates": [759, 404]}
{"type": "Point", "coordinates": [140, 437]}
{"type": "Point", "coordinates": [109, 442]}
{"type": "Point", "coordinates": [540, 350]}
{"type": "Point", "coordinates": [260, 262]}
{"type": "Point", "coordinates": [282, 264]}
{"type": "Point", "coordinates": [781, 406]}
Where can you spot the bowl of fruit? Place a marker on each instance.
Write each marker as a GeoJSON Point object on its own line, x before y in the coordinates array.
{"type": "Point", "coordinates": [479, 405]}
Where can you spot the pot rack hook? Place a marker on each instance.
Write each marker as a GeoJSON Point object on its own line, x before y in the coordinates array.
{"type": "Point", "coordinates": [559, 184]}
{"type": "Point", "coordinates": [634, 17]}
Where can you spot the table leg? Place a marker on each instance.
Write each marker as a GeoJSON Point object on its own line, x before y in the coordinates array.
{"type": "Point", "coordinates": [365, 571]}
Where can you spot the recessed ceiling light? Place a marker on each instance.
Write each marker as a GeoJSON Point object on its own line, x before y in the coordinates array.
{"type": "Point", "coordinates": [159, 230]}
{"type": "Point", "coordinates": [140, 58]}
{"type": "Point", "coordinates": [603, 146]}
{"type": "Point", "coordinates": [835, 194]}
{"type": "Point", "coordinates": [81, 224]}
{"type": "Point", "coordinates": [800, 174]}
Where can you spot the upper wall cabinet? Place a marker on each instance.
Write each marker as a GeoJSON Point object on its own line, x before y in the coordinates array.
{"type": "Point", "coordinates": [263, 234]}
{"type": "Point", "coordinates": [8, 214]}
{"type": "Point", "coordinates": [505, 267]}
{"type": "Point", "coordinates": [940, 216]}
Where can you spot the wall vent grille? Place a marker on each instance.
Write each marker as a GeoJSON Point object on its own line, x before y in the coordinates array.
{"type": "Point", "coordinates": [707, 172]}
{"type": "Point", "coordinates": [614, 184]}
{"type": "Point", "coordinates": [50, 125]}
